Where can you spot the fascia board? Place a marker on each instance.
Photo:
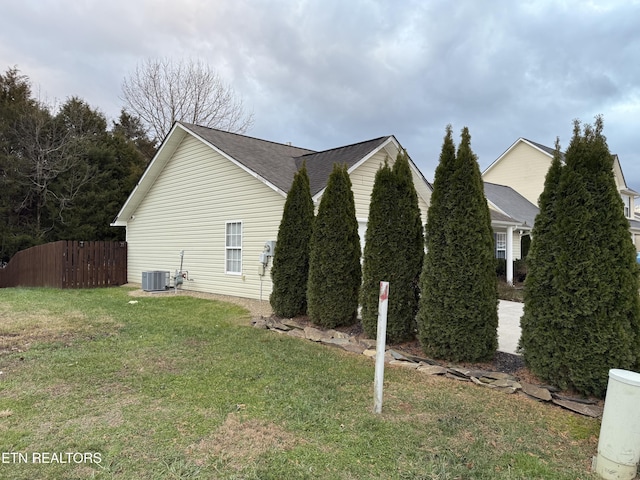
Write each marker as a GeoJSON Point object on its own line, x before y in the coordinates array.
{"type": "Point", "coordinates": [151, 173]}
{"type": "Point", "coordinates": [515, 223]}
{"type": "Point", "coordinates": [513, 145]}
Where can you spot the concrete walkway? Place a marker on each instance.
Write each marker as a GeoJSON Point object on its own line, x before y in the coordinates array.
{"type": "Point", "coordinates": [509, 314]}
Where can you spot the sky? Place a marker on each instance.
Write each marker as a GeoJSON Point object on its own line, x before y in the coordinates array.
{"type": "Point", "coordinates": [327, 73]}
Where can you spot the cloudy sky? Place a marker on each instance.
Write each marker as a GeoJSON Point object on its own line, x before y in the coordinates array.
{"type": "Point", "coordinates": [325, 73]}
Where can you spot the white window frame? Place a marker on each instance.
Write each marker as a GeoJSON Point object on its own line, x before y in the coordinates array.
{"type": "Point", "coordinates": [232, 246]}
{"type": "Point", "coordinates": [626, 199]}
{"type": "Point", "coordinates": [501, 244]}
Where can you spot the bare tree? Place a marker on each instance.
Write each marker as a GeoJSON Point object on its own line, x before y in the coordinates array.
{"type": "Point", "coordinates": [161, 92]}
{"type": "Point", "coordinates": [49, 164]}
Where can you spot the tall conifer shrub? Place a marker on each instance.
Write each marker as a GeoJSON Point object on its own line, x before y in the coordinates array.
{"type": "Point", "coordinates": [540, 310]}
{"type": "Point", "coordinates": [290, 268]}
{"type": "Point", "coordinates": [393, 252]}
{"type": "Point", "coordinates": [458, 316]}
{"type": "Point", "coordinates": [591, 321]}
{"type": "Point", "coordinates": [334, 262]}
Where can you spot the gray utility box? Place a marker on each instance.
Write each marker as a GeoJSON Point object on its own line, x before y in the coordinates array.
{"type": "Point", "coordinates": [155, 280]}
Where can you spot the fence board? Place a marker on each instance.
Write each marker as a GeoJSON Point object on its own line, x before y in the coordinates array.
{"type": "Point", "coordinates": [68, 264]}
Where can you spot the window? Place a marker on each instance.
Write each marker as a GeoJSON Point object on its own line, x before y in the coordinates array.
{"type": "Point", "coordinates": [233, 248]}
{"type": "Point", "coordinates": [627, 205]}
{"type": "Point", "coordinates": [501, 245]}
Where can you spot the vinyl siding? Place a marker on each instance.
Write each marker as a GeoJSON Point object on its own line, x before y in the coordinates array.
{"type": "Point", "coordinates": [524, 169]}
{"type": "Point", "coordinates": [363, 178]}
{"type": "Point", "coordinates": [187, 209]}
{"type": "Point", "coordinates": [517, 246]}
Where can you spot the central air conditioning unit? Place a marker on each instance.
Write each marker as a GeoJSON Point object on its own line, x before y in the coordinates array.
{"type": "Point", "coordinates": [155, 281]}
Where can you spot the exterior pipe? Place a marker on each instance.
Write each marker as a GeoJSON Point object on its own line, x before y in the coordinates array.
{"type": "Point", "coordinates": [619, 443]}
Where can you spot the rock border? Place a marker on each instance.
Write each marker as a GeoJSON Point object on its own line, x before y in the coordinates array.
{"type": "Point", "coordinates": [499, 381]}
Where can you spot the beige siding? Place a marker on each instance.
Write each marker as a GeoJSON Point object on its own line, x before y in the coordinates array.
{"type": "Point", "coordinates": [517, 247]}
{"type": "Point", "coordinates": [524, 169]}
{"type": "Point", "coordinates": [186, 209]}
{"type": "Point", "coordinates": [363, 178]}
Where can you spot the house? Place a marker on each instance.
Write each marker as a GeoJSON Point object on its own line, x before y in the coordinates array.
{"type": "Point", "coordinates": [512, 218]}
{"type": "Point", "coordinates": [219, 196]}
{"type": "Point", "coordinates": [523, 167]}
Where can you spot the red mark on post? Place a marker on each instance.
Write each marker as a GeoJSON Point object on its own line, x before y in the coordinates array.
{"type": "Point", "coordinates": [384, 291]}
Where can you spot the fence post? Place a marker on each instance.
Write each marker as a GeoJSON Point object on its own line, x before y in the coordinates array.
{"type": "Point", "coordinates": [381, 340]}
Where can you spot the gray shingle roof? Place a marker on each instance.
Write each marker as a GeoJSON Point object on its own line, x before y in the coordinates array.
{"type": "Point", "coordinates": [549, 150]}
{"type": "Point", "coordinates": [501, 217]}
{"type": "Point", "coordinates": [320, 164]}
{"type": "Point", "coordinates": [277, 163]}
{"type": "Point", "coordinates": [511, 202]}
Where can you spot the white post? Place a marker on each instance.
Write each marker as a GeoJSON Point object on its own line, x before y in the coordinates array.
{"type": "Point", "coordinates": [510, 255]}
{"type": "Point", "coordinates": [381, 337]}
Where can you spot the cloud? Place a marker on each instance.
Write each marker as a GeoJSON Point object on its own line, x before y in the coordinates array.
{"type": "Point", "coordinates": [321, 74]}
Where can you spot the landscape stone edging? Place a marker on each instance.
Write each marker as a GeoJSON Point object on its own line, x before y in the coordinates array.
{"type": "Point", "coordinates": [499, 381]}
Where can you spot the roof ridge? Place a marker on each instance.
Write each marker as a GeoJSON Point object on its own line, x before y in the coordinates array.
{"type": "Point", "coordinates": [312, 152]}
{"type": "Point", "coordinates": [537, 144]}
{"type": "Point", "coordinates": [189, 125]}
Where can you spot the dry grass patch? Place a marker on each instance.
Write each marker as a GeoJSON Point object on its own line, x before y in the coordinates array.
{"type": "Point", "coordinates": [20, 329]}
{"type": "Point", "coordinates": [86, 423]}
{"type": "Point", "coordinates": [239, 442]}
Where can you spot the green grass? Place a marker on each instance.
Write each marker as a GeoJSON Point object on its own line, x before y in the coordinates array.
{"type": "Point", "coordinates": [182, 388]}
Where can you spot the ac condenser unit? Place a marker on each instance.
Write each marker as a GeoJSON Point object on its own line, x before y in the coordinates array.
{"type": "Point", "coordinates": [155, 280]}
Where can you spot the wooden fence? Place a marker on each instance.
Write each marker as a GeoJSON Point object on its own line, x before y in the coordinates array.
{"type": "Point", "coordinates": [68, 264]}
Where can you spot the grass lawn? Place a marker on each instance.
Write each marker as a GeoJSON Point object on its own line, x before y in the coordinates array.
{"type": "Point", "coordinates": [179, 387]}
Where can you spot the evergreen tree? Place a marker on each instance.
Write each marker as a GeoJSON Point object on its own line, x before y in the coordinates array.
{"type": "Point", "coordinates": [131, 128]}
{"type": "Point", "coordinates": [458, 316]}
{"type": "Point", "coordinates": [540, 309]}
{"type": "Point", "coordinates": [291, 261]}
{"type": "Point", "coordinates": [15, 101]}
{"type": "Point", "coordinates": [393, 252]}
{"type": "Point", "coordinates": [595, 302]}
{"type": "Point", "coordinates": [63, 175]}
{"type": "Point", "coordinates": [334, 258]}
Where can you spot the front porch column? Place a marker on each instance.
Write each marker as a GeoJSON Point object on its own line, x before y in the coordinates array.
{"type": "Point", "coordinates": [510, 255]}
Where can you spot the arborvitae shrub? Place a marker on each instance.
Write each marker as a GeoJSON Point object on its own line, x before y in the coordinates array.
{"type": "Point", "coordinates": [334, 262]}
{"type": "Point", "coordinates": [290, 268]}
{"type": "Point", "coordinates": [393, 252]}
{"type": "Point", "coordinates": [582, 307]}
{"type": "Point", "coordinates": [458, 316]}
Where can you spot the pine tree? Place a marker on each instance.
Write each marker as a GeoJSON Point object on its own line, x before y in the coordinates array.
{"type": "Point", "coordinates": [595, 302]}
{"type": "Point", "coordinates": [393, 252]}
{"type": "Point", "coordinates": [334, 255]}
{"type": "Point", "coordinates": [291, 261]}
{"type": "Point", "coordinates": [458, 316]}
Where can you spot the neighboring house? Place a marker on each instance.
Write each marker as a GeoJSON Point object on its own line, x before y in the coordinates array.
{"type": "Point", "coordinates": [511, 232]}
{"type": "Point", "coordinates": [524, 165]}
{"type": "Point", "coordinates": [219, 196]}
